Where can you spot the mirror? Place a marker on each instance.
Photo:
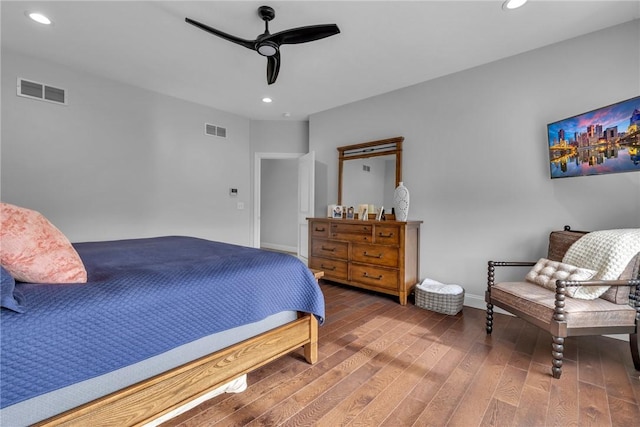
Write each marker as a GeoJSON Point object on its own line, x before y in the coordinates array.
{"type": "Point", "coordinates": [369, 173]}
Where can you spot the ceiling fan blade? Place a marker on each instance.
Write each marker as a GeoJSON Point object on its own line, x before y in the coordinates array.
{"type": "Point", "coordinates": [273, 67]}
{"type": "Point", "coordinates": [304, 34]}
{"type": "Point", "coordinates": [250, 44]}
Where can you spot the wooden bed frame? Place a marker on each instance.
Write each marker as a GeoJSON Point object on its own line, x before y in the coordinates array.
{"type": "Point", "coordinates": [149, 399]}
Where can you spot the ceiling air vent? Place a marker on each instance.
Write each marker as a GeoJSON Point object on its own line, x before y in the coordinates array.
{"type": "Point", "coordinates": [41, 91]}
{"type": "Point", "coordinates": [214, 130]}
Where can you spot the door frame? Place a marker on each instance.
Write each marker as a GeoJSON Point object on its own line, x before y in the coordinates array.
{"type": "Point", "coordinates": [257, 185]}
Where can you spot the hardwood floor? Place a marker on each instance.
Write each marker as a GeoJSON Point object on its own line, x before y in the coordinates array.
{"type": "Point", "coordinates": [381, 364]}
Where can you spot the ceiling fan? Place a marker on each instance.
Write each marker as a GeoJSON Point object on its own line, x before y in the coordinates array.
{"type": "Point", "coordinates": [267, 44]}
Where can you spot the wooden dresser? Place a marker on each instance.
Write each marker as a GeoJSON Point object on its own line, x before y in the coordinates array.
{"type": "Point", "coordinates": [382, 256]}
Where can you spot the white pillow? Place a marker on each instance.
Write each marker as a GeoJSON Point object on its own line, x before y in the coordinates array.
{"type": "Point", "coordinates": [546, 272]}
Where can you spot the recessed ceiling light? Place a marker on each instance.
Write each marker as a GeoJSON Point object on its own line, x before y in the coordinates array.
{"type": "Point", "coordinates": [39, 18]}
{"type": "Point", "coordinates": [513, 4]}
{"type": "Point", "coordinates": [267, 100]}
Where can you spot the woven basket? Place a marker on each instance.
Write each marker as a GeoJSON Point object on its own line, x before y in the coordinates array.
{"type": "Point", "coordinates": [439, 302]}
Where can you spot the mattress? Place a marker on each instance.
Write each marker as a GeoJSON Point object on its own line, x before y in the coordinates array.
{"type": "Point", "coordinates": [47, 405]}
{"type": "Point", "coordinates": [144, 298]}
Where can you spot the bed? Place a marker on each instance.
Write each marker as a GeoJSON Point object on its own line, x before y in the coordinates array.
{"type": "Point", "coordinates": [159, 323]}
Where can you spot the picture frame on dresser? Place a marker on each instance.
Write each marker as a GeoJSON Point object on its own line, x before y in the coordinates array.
{"type": "Point", "coordinates": [351, 214]}
{"type": "Point", "coordinates": [330, 209]}
{"type": "Point", "coordinates": [337, 212]}
{"type": "Point", "coordinates": [363, 212]}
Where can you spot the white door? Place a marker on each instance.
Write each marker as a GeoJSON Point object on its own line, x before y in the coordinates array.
{"type": "Point", "coordinates": [306, 195]}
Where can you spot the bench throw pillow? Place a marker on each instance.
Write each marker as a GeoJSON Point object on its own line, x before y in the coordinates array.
{"type": "Point", "coordinates": [546, 272]}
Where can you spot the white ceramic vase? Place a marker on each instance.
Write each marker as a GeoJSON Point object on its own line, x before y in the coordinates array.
{"type": "Point", "coordinates": [401, 202]}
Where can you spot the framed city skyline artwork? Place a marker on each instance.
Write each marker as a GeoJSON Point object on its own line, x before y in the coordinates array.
{"type": "Point", "coordinates": [601, 141]}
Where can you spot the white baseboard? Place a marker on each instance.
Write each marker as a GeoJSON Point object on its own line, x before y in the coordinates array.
{"type": "Point", "coordinates": [277, 247]}
{"type": "Point", "coordinates": [476, 301]}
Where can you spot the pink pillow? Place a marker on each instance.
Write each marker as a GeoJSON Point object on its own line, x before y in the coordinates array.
{"type": "Point", "coordinates": [34, 250]}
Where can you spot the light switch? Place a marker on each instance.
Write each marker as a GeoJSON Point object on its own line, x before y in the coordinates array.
{"type": "Point", "coordinates": [240, 206]}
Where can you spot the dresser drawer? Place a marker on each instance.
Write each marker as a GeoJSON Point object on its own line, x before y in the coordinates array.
{"type": "Point", "coordinates": [351, 226]}
{"type": "Point", "coordinates": [351, 231]}
{"type": "Point", "coordinates": [330, 249]}
{"type": "Point", "coordinates": [333, 269]}
{"type": "Point", "coordinates": [352, 237]}
{"type": "Point", "coordinates": [375, 254]}
{"type": "Point", "coordinates": [320, 229]}
{"type": "Point", "coordinates": [387, 234]}
{"type": "Point", "coordinates": [375, 276]}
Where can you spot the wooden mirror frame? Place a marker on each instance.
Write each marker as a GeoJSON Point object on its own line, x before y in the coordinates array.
{"type": "Point", "coordinates": [365, 150]}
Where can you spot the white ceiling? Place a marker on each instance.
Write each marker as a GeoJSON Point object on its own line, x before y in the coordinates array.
{"type": "Point", "coordinates": [383, 45]}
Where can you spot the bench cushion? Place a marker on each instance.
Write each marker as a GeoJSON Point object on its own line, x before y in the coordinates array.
{"type": "Point", "coordinates": [539, 303]}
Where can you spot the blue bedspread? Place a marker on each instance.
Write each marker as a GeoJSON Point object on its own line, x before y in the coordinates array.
{"type": "Point", "coordinates": [144, 297]}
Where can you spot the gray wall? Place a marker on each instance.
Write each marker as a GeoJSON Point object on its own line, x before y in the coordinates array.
{"type": "Point", "coordinates": [475, 153]}
{"type": "Point", "coordinates": [119, 161]}
{"type": "Point", "coordinates": [279, 136]}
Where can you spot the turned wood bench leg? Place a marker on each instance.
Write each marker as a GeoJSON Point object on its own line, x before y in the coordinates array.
{"type": "Point", "coordinates": [489, 318]}
{"type": "Point", "coordinates": [557, 351]}
{"type": "Point", "coordinates": [635, 352]}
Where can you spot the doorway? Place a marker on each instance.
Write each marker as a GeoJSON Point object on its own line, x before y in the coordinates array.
{"type": "Point", "coordinates": [300, 200]}
{"type": "Point", "coordinates": [278, 204]}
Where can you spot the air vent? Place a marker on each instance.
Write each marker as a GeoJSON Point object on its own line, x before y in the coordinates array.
{"type": "Point", "coordinates": [41, 91]}
{"type": "Point", "coordinates": [214, 130]}
{"type": "Point", "coordinates": [366, 168]}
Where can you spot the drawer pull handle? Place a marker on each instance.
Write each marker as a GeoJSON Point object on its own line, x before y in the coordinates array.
{"type": "Point", "coordinates": [385, 235]}
{"type": "Point", "coordinates": [320, 229]}
{"type": "Point", "coordinates": [329, 249]}
{"type": "Point", "coordinates": [331, 268]}
{"type": "Point", "coordinates": [379, 256]}
{"type": "Point", "coordinates": [365, 274]}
